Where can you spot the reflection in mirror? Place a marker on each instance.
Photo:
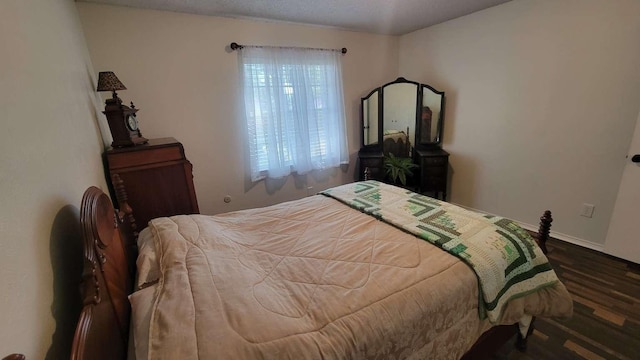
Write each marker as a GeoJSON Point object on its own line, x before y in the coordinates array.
{"type": "Point", "coordinates": [431, 116]}
{"type": "Point", "coordinates": [399, 117]}
{"type": "Point", "coordinates": [370, 118]}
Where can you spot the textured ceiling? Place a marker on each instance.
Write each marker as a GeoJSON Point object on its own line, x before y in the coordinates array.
{"type": "Point", "coordinates": [393, 17]}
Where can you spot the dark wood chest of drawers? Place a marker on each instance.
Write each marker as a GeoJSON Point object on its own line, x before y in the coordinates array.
{"type": "Point", "coordinates": [157, 178]}
{"type": "Point", "coordinates": [433, 167]}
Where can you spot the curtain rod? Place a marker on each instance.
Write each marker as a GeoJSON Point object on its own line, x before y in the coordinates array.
{"type": "Point", "coordinates": [236, 46]}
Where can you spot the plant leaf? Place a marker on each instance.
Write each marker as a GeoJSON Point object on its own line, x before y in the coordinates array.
{"type": "Point", "coordinates": [398, 168]}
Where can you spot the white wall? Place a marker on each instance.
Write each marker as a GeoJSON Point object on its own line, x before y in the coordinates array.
{"type": "Point", "coordinates": [181, 75]}
{"type": "Point", "coordinates": [50, 151]}
{"type": "Point", "coordinates": [542, 97]}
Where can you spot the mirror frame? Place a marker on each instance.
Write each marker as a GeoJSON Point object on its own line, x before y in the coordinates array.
{"type": "Point", "coordinates": [421, 88]}
{"type": "Point", "coordinates": [440, 120]}
{"type": "Point", "coordinates": [362, 123]}
{"type": "Point", "coordinates": [417, 105]}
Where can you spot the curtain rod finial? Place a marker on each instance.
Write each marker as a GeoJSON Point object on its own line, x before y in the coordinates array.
{"type": "Point", "coordinates": [235, 46]}
{"type": "Point", "coordinates": [344, 50]}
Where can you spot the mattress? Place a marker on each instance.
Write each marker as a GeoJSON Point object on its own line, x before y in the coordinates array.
{"type": "Point", "coordinates": [308, 279]}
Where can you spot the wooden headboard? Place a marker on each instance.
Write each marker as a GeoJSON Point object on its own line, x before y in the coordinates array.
{"type": "Point", "coordinates": [103, 328]}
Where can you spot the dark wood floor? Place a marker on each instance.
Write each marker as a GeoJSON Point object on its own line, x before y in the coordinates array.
{"type": "Point", "coordinates": [606, 319]}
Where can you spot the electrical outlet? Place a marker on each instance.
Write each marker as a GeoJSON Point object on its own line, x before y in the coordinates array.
{"type": "Point", "coordinates": [587, 210]}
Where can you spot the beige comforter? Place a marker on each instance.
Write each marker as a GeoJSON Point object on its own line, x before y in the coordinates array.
{"type": "Point", "coordinates": [313, 279]}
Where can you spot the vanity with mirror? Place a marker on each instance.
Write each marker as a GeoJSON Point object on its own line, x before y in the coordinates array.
{"type": "Point", "coordinates": [404, 119]}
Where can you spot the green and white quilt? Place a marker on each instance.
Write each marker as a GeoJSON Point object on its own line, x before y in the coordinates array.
{"type": "Point", "coordinates": [505, 258]}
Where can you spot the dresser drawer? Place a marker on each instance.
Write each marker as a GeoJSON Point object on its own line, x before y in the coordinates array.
{"type": "Point", "coordinates": [375, 173]}
{"type": "Point", "coordinates": [433, 178]}
{"type": "Point", "coordinates": [434, 184]}
{"type": "Point", "coordinates": [145, 157]}
{"type": "Point", "coordinates": [371, 162]}
{"type": "Point", "coordinates": [434, 171]}
{"type": "Point", "coordinates": [434, 161]}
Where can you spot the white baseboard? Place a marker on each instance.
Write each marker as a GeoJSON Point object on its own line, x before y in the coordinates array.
{"type": "Point", "coordinates": [564, 237]}
{"type": "Point", "coordinates": [568, 238]}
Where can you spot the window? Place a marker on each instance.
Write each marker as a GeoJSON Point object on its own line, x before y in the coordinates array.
{"type": "Point", "coordinates": [294, 110]}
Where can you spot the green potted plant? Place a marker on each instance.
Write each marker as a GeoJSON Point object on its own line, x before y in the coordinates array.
{"type": "Point", "coordinates": [398, 168]}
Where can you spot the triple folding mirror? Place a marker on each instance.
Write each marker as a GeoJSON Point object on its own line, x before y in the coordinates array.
{"type": "Point", "coordinates": [406, 108]}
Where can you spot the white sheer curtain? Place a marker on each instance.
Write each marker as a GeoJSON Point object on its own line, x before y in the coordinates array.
{"type": "Point", "coordinates": [294, 110]}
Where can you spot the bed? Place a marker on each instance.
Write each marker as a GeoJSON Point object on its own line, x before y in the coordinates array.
{"type": "Point", "coordinates": [329, 276]}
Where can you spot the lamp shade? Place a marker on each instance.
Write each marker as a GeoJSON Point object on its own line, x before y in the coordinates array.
{"type": "Point", "coordinates": [108, 81]}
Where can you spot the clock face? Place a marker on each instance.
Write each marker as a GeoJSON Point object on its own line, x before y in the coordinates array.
{"type": "Point", "coordinates": [132, 122]}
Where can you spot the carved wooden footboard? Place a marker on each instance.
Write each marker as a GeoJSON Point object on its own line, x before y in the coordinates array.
{"type": "Point", "coordinates": [109, 245]}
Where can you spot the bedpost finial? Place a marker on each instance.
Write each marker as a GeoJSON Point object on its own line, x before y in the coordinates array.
{"type": "Point", "coordinates": [544, 229]}
{"type": "Point", "coordinates": [123, 203]}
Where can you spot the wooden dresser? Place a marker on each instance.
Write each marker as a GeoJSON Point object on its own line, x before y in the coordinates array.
{"type": "Point", "coordinates": [434, 168]}
{"type": "Point", "coordinates": [157, 177]}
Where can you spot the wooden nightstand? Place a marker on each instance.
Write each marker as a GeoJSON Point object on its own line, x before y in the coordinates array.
{"type": "Point", "coordinates": [434, 168]}
{"type": "Point", "coordinates": [157, 178]}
